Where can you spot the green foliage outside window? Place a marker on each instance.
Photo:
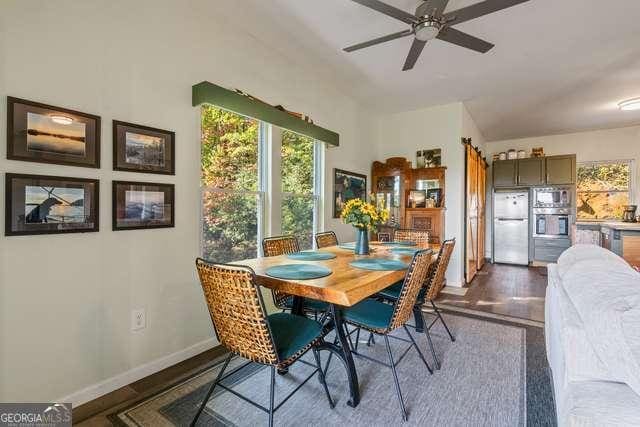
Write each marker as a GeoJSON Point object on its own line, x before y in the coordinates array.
{"type": "Point", "coordinates": [297, 183]}
{"type": "Point", "coordinates": [603, 189]}
{"type": "Point", "coordinates": [229, 152]}
{"type": "Point", "coordinates": [229, 162]}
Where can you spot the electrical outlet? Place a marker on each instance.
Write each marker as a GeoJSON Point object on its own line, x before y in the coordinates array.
{"type": "Point", "coordinates": [138, 319]}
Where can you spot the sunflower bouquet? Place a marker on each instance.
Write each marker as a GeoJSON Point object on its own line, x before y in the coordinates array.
{"type": "Point", "coordinates": [363, 215]}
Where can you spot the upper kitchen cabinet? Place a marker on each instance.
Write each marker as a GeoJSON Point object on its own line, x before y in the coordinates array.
{"type": "Point", "coordinates": [505, 173]}
{"type": "Point", "coordinates": [535, 171]}
{"type": "Point", "coordinates": [531, 171]}
{"type": "Point", "coordinates": [561, 169]}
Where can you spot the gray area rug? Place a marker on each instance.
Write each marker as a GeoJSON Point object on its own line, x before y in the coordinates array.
{"type": "Point", "coordinates": [495, 374]}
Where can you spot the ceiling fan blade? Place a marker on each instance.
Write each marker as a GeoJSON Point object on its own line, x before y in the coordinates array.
{"type": "Point", "coordinates": [459, 38]}
{"type": "Point", "coordinates": [432, 7]}
{"type": "Point", "coordinates": [378, 40]}
{"type": "Point", "coordinates": [414, 54]}
{"type": "Point", "coordinates": [388, 10]}
{"type": "Point", "coordinates": [479, 9]}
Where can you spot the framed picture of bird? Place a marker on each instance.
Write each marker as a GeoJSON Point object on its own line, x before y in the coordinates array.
{"type": "Point", "coordinates": [41, 204]}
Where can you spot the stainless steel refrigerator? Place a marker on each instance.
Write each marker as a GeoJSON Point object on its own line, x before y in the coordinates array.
{"type": "Point", "coordinates": [511, 227]}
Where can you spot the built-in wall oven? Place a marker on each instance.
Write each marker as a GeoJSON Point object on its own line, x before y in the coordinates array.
{"type": "Point", "coordinates": [552, 212]}
{"type": "Point", "coordinates": [552, 222]}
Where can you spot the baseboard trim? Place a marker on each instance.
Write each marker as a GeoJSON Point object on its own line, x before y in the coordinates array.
{"type": "Point", "coordinates": [97, 390]}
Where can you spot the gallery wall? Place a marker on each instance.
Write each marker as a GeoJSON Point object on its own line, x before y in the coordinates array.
{"type": "Point", "coordinates": [66, 300]}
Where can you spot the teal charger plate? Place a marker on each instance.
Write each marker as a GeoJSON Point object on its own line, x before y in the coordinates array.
{"type": "Point", "coordinates": [298, 271]}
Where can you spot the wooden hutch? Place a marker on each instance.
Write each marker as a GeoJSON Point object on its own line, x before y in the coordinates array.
{"type": "Point", "coordinates": [392, 182]}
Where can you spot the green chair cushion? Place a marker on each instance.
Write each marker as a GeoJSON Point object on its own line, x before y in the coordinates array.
{"type": "Point", "coordinates": [369, 313]}
{"type": "Point", "coordinates": [292, 333]}
{"type": "Point", "coordinates": [393, 292]}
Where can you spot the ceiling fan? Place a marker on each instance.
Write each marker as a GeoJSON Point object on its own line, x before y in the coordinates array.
{"type": "Point", "coordinates": [430, 22]}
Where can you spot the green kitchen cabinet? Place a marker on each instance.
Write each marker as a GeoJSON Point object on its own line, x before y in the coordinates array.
{"type": "Point", "coordinates": [561, 170]}
{"type": "Point", "coordinates": [505, 173]}
{"type": "Point", "coordinates": [531, 171]}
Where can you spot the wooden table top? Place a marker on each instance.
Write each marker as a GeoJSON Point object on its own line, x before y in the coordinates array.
{"type": "Point", "coordinates": [346, 285]}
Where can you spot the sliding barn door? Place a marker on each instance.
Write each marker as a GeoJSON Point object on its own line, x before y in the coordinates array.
{"type": "Point", "coordinates": [471, 240]}
{"type": "Point", "coordinates": [482, 209]}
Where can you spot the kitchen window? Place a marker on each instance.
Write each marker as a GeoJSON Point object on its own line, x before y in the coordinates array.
{"type": "Point", "coordinates": [603, 189]}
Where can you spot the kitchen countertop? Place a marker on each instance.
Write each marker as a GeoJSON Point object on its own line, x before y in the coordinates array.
{"type": "Point", "coordinates": [616, 225]}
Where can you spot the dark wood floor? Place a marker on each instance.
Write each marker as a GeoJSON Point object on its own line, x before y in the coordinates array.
{"type": "Point", "coordinates": [505, 289]}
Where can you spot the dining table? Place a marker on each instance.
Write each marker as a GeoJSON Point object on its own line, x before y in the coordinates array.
{"type": "Point", "coordinates": [344, 287]}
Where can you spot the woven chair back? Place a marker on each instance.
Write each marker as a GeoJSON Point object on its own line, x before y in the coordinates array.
{"type": "Point", "coordinates": [280, 245]}
{"type": "Point", "coordinates": [436, 281]}
{"type": "Point", "coordinates": [409, 235]}
{"type": "Point", "coordinates": [326, 239]}
{"type": "Point", "coordinates": [237, 311]}
{"type": "Point", "coordinates": [413, 281]}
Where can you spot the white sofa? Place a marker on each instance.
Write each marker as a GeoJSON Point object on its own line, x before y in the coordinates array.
{"type": "Point", "coordinates": [592, 331]}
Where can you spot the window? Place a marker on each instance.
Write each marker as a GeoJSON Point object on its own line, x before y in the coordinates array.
{"type": "Point", "coordinates": [603, 189]}
{"type": "Point", "coordinates": [236, 174]}
{"type": "Point", "coordinates": [299, 198]}
{"type": "Point", "coordinates": [230, 199]}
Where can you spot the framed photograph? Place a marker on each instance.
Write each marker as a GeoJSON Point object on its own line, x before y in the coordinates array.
{"type": "Point", "coordinates": [436, 195]}
{"type": "Point", "coordinates": [417, 198]}
{"type": "Point", "coordinates": [47, 134]}
{"type": "Point", "coordinates": [140, 205]}
{"type": "Point", "coordinates": [39, 204]}
{"type": "Point", "coordinates": [347, 186]}
{"type": "Point", "coordinates": [432, 158]}
{"type": "Point", "coordinates": [139, 148]}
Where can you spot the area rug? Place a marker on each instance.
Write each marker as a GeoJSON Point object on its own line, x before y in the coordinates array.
{"type": "Point", "coordinates": [494, 374]}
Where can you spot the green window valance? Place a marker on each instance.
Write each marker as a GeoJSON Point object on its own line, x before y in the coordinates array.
{"type": "Point", "coordinates": [209, 93]}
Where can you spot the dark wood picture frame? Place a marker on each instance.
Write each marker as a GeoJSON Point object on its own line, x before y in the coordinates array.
{"type": "Point", "coordinates": [118, 206]}
{"type": "Point", "coordinates": [336, 193]}
{"type": "Point", "coordinates": [18, 135]}
{"type": "Point", "coordinates": [120, 163]}
{"type": "Point", "coordinates": [436, 195]}
{"type": "Point", "coordinates": [36, 228]}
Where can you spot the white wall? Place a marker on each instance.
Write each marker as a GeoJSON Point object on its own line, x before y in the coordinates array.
{"type": "Point", "coordinates": [65, 300]}
{"type": "Point", "coordinates": [402, 134]}
{"type": "Point", "coordinates": [607, 144]}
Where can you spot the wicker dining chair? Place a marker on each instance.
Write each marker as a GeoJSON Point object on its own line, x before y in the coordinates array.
{"type": "Point", "coordinates": [283, 245]}
{"type": "Point", "coordinates": [326, 239]}
{"type": "Point", "coordinates": [242, 326]}
{"type": "Point", "coordinates": [420, 237]}
{"type": "Point", "coordinates": [381, 319]}
{"type": "Point", "coordinates": [429, 292]}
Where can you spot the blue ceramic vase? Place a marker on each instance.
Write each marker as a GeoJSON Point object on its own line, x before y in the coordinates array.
{"type": "Point", "coordinates": [362, 241]}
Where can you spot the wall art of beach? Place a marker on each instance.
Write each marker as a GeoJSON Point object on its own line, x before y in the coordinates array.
{"type": "Point", "coordinates": [46, 136]}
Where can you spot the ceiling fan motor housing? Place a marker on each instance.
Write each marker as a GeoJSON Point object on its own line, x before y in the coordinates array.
{"type": "Point", "coordinates": [427, 30]}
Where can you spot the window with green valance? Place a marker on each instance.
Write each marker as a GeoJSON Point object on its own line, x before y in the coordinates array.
{"type": "Point", "coordinates": [209, 93]}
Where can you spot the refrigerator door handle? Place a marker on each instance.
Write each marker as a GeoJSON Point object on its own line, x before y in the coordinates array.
{"type": "Point", "coordinates": [511, 219]}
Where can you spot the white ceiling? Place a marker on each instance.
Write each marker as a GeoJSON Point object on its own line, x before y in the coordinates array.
{"type": "Point", "coordinates": [558, 66]}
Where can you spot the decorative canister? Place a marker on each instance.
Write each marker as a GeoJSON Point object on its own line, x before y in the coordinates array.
{"type": "Point", "coordinates": [502, 156]}
{"type": "Point", "coordinates": [522, 154]}
{"type": "Point", "coordinates": [511, 154]}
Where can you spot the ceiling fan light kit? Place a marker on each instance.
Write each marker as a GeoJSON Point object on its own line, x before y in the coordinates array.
{"type": "Point", "coordinates": [430, 22]}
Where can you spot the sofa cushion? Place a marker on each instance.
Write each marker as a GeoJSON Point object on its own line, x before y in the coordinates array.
{"type": "Point", "coordinates": [578, 253]}
{"type": "Point", "coordinates": [567, 341]}
{"type": "Point", "coordinates": [606, 296]}
{"type": "Point", "coordinates": [592, 403]}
